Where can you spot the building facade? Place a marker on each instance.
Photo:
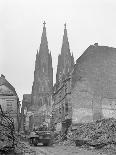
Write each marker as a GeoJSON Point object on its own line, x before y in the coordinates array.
{"type": "Point", "coordinates": [61, 114]}
{"type": "Point", "coordinates": [9, 101]}
{"type": "Point", "coordinates": [94, 85]}
{"type": "Point", "coordinates": [26, 103]}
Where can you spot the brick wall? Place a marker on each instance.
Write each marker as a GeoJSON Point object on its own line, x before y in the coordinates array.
{"type": "Point", "coordinates": [81, 99]}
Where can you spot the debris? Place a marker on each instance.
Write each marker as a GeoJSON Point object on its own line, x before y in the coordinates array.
{"type": "Point", "coordinates": [9, 140]}
{"type": "Point", "coordinates": [7, 132]}
{"type": "Point", "coordinates": [97, 134]}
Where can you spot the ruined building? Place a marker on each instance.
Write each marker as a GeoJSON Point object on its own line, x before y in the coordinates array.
{"type": "Point", "coordinates": [9, 101]}
{"type": "Point", "coordinates": [94, 84]}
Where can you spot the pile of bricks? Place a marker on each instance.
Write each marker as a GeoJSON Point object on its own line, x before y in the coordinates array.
{"type": "Point", "coordinates": [96, 134]}
{"type": "Point", "coordinates": [7, 132]}
{"type": "Point", "coordinates": [24, 149]}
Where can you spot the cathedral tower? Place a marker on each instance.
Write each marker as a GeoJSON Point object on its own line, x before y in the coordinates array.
{"type": "Point", "coordinates": [65, 59]}
{"type": "Point", "coordinates": [43, 74]}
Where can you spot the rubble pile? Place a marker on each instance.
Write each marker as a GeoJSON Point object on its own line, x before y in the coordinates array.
{"type": "Point", "coordinates": [7, 133]}
{"type": "Point", "coordinates": [57, 138]}
{"type": "Point", "coordinates": [21, 147]}
{"type": "Point", "coordinates": [9, 139]}
{"type": "Point", "coordinates": [60, 140]}
{"type": "Point", "coordinates": [96, 134]}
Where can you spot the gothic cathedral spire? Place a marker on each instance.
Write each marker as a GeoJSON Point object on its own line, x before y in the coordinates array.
{"type": "Point", "coordinates": [65, 60]}
{"type": "Point", "coordinates": [43, 74]}
{"type": "Point", "coordinates": [43, 50]}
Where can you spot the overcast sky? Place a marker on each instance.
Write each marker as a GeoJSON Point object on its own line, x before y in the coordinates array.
{"type": "Point", "coordinates": [21, 24]}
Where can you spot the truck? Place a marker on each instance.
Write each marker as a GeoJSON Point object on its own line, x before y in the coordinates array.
{"type": "Point", "coordinates": [41, 135]}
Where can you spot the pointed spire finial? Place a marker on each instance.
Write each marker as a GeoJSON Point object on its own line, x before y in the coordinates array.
{"type": "Point", "coordinates": [65, 25]}
{"type": "Point", "coordinates": [44, 23]}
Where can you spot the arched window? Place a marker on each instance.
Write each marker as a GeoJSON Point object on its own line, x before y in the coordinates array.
{"type": "Point", "coordinates": [63, 109]}
{"type": "Point", "coordinates": [60, 110]}
{"type": "Point", "coordinates": [46, 101]}
{"type": "Point", "coordinates": [44, 68]}
{"type": "Point", "coordinates": [40, 102]}
{"type": "Point", "coordinates": [66, 107]}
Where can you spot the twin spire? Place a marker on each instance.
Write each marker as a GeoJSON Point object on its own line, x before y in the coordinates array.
{"type": "Point", "coordinates": [65, 59]}
{"type": "Point", "coordinates": [44, 41]}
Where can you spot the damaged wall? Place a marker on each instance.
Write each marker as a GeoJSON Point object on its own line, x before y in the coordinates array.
{"type": "Point", "coordinates": [98, 66]}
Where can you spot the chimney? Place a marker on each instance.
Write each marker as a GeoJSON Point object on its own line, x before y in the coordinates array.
{"type": "Point", "coordinates": [2, 76]}
{"type": "Point", "coordinates": [96, 44]}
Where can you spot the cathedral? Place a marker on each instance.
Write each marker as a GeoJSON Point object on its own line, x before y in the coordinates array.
{"type": "Point", "coordinates": [38, 105]}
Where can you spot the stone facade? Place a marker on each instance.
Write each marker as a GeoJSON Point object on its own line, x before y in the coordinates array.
{"type": "Point", "coordinates": [61, 109]}
{"type": "Point", "coordinates": [26, 103]}
{"type": "Point", "coordinates": [94, 84]}
{"type": "Point", "coordinates": [62, 88]}
{"type": "Point", "coordinates": [9, 101]}
{"type": "Point", "coordinates": [81, 99]}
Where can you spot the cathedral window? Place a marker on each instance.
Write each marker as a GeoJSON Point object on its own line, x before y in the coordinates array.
{"type": "Point", "coordinates": [68, 69]}
{"type": "Point", "coordinates": [63, 108]}
{"type": "Point", "coordinates": [46, 101]}
{"type": "Point", "coordinates": [40, 102]}
{"type": "Point", "coordinates": [44, 68]}
{"type": "Point", "coordinates": [60, 110]}
{"type": "Point", "coordinates": [66, 107]}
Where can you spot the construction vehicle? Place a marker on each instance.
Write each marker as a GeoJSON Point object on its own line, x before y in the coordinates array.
{"type": "Point", "coordinates": [41, 135]}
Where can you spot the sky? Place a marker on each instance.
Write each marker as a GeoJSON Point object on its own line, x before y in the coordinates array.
{"type": "Point", "coordinates": [21, 24]}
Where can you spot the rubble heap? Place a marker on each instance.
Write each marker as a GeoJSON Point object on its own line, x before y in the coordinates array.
{"type": "Point", "coordinates": [96, 134]}
{"type": "Point", "coordinates": [23, 148]}
{"type": "Point", "coordinates": [7, 132]}
{"type": "Point", "coordinates": [9, 139]}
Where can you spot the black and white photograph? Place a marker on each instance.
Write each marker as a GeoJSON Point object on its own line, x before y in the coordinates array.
{"type": "Point", "coordinates": [57, 77]}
